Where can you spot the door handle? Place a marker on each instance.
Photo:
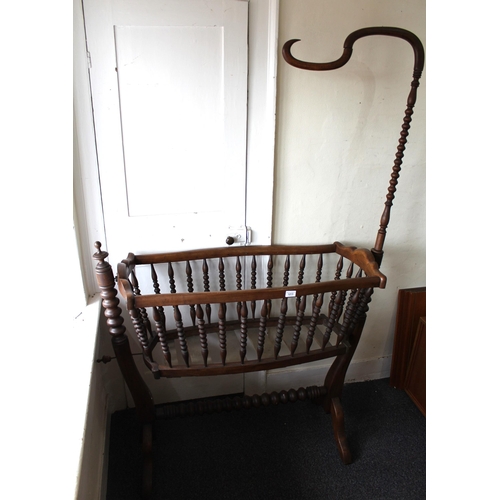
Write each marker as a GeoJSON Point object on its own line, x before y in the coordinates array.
{"type": "Point", "coordinates": [238, 235]}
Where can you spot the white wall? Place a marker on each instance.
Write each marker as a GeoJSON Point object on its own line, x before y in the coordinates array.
{"type": "Point", "coordinates": [337, 133]}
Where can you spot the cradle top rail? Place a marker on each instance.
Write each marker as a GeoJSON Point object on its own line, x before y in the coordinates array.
{"type": "Point", "coordinates": [361, 257]}
{"type": "Point", "coordinates": [229, 320]}
{"type": "Point", "coordinates": [419, 56]}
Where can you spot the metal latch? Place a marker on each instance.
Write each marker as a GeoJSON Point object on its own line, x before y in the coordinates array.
{"type": "Point", "coordinates": [241, 235]}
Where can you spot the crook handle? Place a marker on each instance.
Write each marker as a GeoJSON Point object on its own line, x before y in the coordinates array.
{"type": "Point", "coordinates": [348, 44]}
{"type": "Point", "coordinates": [418, 49]}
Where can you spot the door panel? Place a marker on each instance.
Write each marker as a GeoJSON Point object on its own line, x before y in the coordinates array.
{"type": "Point", "coordinates": [150, 206]}
{"type": "Point", "coordinates": [163, 118]}
{"type": "Point", "coordinates": [169, 87]}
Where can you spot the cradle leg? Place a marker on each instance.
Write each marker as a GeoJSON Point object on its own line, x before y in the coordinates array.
{"type": "Point", "coordinates": [144, 407]}
{"type": "Point", "coordinates": [334, 380]}
{"type": "Point", "coordinates": [339, 430]}
{"type": "Point", "coordinates": [334, 384]}
{"type": "Point", "coordinates": [140, 392]}
{"type": "Point", "coordinates": [144, 403]}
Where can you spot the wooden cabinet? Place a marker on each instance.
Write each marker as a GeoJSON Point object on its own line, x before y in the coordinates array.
{"type": "Point", "coordinates": [408, 355]}
{"type": "Point", "coordinates": [415, 377]}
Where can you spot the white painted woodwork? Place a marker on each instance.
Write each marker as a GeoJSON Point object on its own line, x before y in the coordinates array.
{"type": "Point", "coordinates": [169, 88]}
{"type": "Point", "coordinates": [190, 84]}
{"type": "Point", "coordinates": [261, 115]}
{"type": "Point", "coordinates": [171, 81]}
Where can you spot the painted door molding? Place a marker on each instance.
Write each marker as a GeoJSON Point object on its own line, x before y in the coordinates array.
{"type": "Point", "coordinates": [262, 64]}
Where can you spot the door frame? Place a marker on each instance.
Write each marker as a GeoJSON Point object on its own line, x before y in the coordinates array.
{"type": "Point", "coordinates": [262, 72]}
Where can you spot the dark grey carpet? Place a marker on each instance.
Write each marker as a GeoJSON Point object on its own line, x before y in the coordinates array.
{"type": "Point", "coordinates": [280, 452]}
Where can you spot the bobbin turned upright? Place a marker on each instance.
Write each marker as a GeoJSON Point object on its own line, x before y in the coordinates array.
{"type": "Point", "coordinates": [140, 392]}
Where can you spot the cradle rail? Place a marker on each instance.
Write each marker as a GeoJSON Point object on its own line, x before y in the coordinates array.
{"type": "Point", "coordinates": [240, 305]}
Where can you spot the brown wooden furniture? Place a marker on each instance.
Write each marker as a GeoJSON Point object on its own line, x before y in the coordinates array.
{"type": "Point", "coordinates": [415, 384]}
{"type": "Point", "coordinates": [411, 307]}
{"type": "Point", "coordinates": [289, 304]}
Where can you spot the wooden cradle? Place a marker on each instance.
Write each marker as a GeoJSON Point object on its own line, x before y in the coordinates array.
{"type": "Point", "coordinates": [243, 309]}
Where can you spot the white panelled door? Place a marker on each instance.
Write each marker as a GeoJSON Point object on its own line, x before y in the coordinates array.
{"type": "Point", "coordinates": [169, 89]}
{"type": "Point", "coordinates": [183, 95]}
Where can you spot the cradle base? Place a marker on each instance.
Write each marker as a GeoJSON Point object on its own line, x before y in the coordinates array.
{"type": "Point", "coordinates": [217, 405]}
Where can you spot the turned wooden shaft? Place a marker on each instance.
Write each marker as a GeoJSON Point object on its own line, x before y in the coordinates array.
{"type": "Point", "coordinates": [353, 291]}
{"type": "Point", "coordinates": [139, 328]}
{"type": "Point", "coordinates": [262, 329]}
{"type": "Point", "coordinates": [160, 329]}
{"type": "Point", "coordinates": [349, 314]}
{"type": "Point", "coordinates": [332, 319]}
{"type": "Point", "coordinates": [253, 283]}
{"type": "Point", "coordinates": [181, 334]}
{"type": "Point", "coordinates": [154, 279]}
{"type": "Point", "coordinates": [338, 305]}
{"type": "Point", "coordinates": [318, 303]}
{"type": "Point", "coordinates": [362, 307]}
{"type": "Point", "coordinates": [338, 274]}
{"type": "Point", "coordinates": [222, 279]}
{"type": "Point", "coordinates": [206, 288]}
{"type": "Point", "coordinates": [300, 278]}
{"type": "Point", "coordinates": [386, 214]}
{"type": "Point", "coordinates": [298, 323]}
{"type": "Point", "coordinates": [280, 328]}
{"type": "Point", "coordinates": [222, 333]}
{"type": "Point", "coordinates": [143, 311]}
{"type": "Point", "coordinates": [205, 406]}
{"type": "Point", "coordinates": [206, 278]}
{"type": "Point", "coordinates": [319, 270]}
{"type": "Point", "coordinates": [141, 395]}
{"type": "Point", "coordinates": [156, 288]}
{"type": "Point", "coordinates": [243, 332]}
{"type": "Point", "coordinates": [171, 278]}
{"type": "Point", "coordinates": [269, 283]}
{"type": "Point", "coordinates": [110, 301]}
{"type": "Point", "coordinates": [286, 271]}
{"type": "Point", "coordinates": [190, 288]}
{"type": "Point", "coordinates": [202, 334]}
{"type": "Point", "coordinates": [238, 285]}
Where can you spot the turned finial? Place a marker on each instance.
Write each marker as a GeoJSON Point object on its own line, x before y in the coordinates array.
{"type": "Point", "coordinates": [99, 255]}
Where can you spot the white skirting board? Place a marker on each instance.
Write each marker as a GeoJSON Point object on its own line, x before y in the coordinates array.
{"type": "Point", "coordinates": [92, 473]}
{"type": "Point", "coordinates": [93, 468]}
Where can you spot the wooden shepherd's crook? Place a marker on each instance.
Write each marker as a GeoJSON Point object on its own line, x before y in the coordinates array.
{"type": "Point", "coordinates": [418, 49]}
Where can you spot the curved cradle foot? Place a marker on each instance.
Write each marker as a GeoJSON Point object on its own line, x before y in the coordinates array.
{"type": "Point", "coordinates": [339, 430]}
{"type": "Point", "coordinates": [147, 454]}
